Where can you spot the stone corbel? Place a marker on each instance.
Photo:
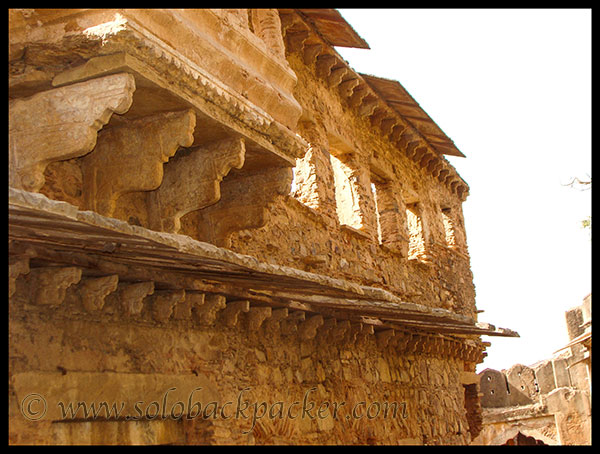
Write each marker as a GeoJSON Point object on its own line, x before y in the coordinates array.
{"type": "Point", "coordinates": [130, 157]}
{"type": "Point", "coordinates": [401, 341]}
{"type": "Point", "coordinates": [49, 285]}
{"type": "Point", "coordinates": [346, 88]}
{"type": "Point", "coordinates": [207, 312]}
{"type": "Point", "coordinates": [186, 309]}
{"type": "Point", "coordinates": [353, 332]}
{"type": "Point", "coordinates": [257, 315]}
{"type": "Point", "coordinates": [277, 315]}
{"type": "Point", "coordinates": [359, 93]}
{"type": "Point", "coordinates": [435, 165]}
{"type": "Point", "coordinates": [290, 324]}
{"type": "Point", "coordinates": [443, 175]}
{"type": "Point", "coordinates": [16, 268]}
{"type": "Point", "coordinates": [419, 153]}
{"type": "Point", "coordinates": [326, 328]}
{"type": "Point", "coordinates": [130, 297]}
{"type": "Point", "coordinates": [324, 64]}
{"type": "Point", "coordinates": [414, 344]}
{"type": "Point", "coordinates": [163, 303]}
{"type": "Point", "coordinates": [426, 159]}
{"type": "Point", "coordinates": [244, 204]}
{"type": "Point", "coordinates": [387, 125]}
{"type": "Point", "coordinates": [378, 116]}
{"type": "Point", "coordinates": [91, 292]}
{"type": "Point", "coordinates": [192, 181]}
{"type": "Point", "coordinates": [311, 52]}
{"type": "Point", "coordinates": [383, 337]}
{"type": "Point", "coordinates": [61, 124]}
{"type": "Point", "coordinates": [340, 330]}
{"type": "Point", "coordinates": [233, 310]}
{"type": "Point", "coordinates": [295, 38]}
{"type": "Point", "coordinates": [368, 106]}
{"type": "Point", "coordinates": [396, 132]}
{"type": "Point", "coordinates": [336, 76]}
{"type": "Point", "coordinates": [308, 329]}
{"type": "Point", "coordinates": [365, 331]}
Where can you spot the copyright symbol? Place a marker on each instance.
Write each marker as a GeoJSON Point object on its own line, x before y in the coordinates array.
{"type": "Point", "coordinates": [33, 407]}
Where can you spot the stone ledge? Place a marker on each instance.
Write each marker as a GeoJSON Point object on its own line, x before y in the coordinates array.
{"type": "Point", "coordinates": [34, 218]}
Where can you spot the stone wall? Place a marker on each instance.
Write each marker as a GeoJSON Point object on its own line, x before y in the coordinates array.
{"type": "Point", "coordinates": [67, 354]}
{"type": "Point", "coordinates": [549, 400]}
{"type": "Point", "coordinates": [214, 199]}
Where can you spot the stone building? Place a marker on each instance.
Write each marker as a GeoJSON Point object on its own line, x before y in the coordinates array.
{"type": "Point", "coordinates": [219, 232]}
{"type": "Point", "coordinates": [548, 402]}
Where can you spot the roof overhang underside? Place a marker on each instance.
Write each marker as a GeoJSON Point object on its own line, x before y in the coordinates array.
{"type": "Point", "coordinates": [396, 96]}
{"type": "Point", "coordinates": [332, 27]}
{"type": "Point", "coordinates": [61, 230]}
{"type": "Point", "coordinates": [337, 32]}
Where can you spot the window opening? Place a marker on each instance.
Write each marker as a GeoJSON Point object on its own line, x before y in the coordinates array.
{"type": "Point", "coordinates": [449, 227]}
{"type": "Point", "coordinates": [378, 216]}
{"type": "Point", "coordinates": [346, 196]}
{"type": "Point", "coordinates": [416, 240]}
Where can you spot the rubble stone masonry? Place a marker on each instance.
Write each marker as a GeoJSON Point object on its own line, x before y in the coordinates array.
{"type": "Point", "coordinates": [220, 233]}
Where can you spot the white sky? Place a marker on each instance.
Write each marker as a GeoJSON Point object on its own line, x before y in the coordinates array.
{"type": "Point", "coordinates": [512, 89]}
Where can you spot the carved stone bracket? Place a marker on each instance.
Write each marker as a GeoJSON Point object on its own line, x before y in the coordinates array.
{"type": "Point", "coordinates": [365, 331]}
{"type": "Point", "coordinates": [308, 329]}
{"type": "Point", "coordinates": [340, 330]}
{"type": "Point", "coordinates": [311, 51]}
{"type": "Point", "coordinates": [61, 124]}
{"type": "Point", "coordinates": [277, 315]}
{"type": "Point", "coordinates": [383, 337]}
{"type": "Point", "coordinates": [130, 297]}
{"type": "Point", "coordinates": [257, 315]}
{"type": "Point", "coordinates": [207, 312]}
{"type": "Point", "coordinates": [130, 157]}
{"type": "Point", "coordinates": [289, 326]}
{"type": "Point", "coordinates": [92, 292]}
{"type": "Point", "coordinates": [192, 181]}
{"type": "Point", "coordinates": [346, 87]}
{"type": "Point", "coordinates": [232, 311]}
{"type": "Point", "coordinates": [326, 328]}
{"type": "Point", "coordinates": [163, 303]}
{"type": "Point", "coordinates": [267, 26]}
{"type": "Point", "coordinates": [16, 268]}
{"type": "Point", "coordinates": [49, 285]}
{"type": "Point", "coordinates": [243, 205]}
